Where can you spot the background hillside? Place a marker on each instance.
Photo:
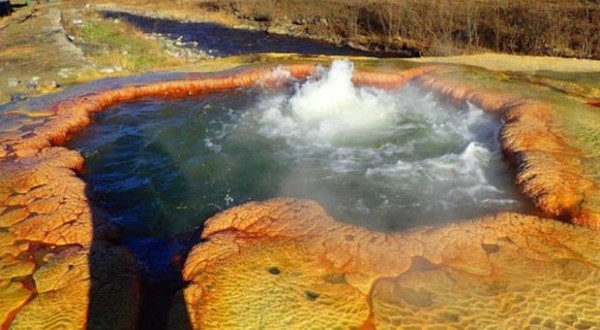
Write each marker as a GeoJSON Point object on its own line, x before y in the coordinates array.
{"type": "Point", "coordinates": [568, 28]}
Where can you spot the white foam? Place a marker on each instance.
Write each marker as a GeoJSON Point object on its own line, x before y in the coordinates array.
{"type": "Point", "coordinates": [329, 107]}
{"type": "Point", "coordinates": [406, 139]}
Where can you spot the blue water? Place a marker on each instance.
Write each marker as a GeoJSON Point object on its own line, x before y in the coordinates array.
{"type": "Point", "coordinates": [383, 160]}
{"type": "Point", "coordinates": [218, 40]}
{"type": "Point", "coordinates": [161, 168]}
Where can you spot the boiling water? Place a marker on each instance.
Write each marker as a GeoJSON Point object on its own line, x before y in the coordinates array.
{"type": "Point", "coordinates": [386, 160]}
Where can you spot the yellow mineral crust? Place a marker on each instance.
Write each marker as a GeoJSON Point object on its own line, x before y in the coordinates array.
{"type": "Point", "coordinates": [53, 250]}
{"type": "Point", "coordinates": [53, 275]}
{"type": "Point", "coordinates": [284, 264]}
{"type": "Point", "coordinates": [546, 145]}
{"type": "Point", "coordinates": [55, 259]}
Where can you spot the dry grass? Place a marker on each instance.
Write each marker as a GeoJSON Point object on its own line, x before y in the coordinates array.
{"type": "Point", "coordinates": [16, 52]}
{"type": "Point", "coordinates": [565, 28]}
{"type": "Point", "coordinates": [117, 43]}
{"type": "Point", "coordinates": [179, 9]}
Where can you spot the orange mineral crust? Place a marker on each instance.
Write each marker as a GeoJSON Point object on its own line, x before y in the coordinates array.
{"type": "Point", "coordinates": [539, 138]}
{"type": "Point", "coordinates": [285, 263]}
{"type": "Point", "coordinates": [56, 262]}
{"type": "Point", "coordinates": [534, 134]}
{"type": "Point", "coordinates": [59, 269]}
{"type": "Point", "coordinates": [51, 271]}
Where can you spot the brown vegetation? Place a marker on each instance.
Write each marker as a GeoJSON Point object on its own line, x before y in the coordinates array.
{"type": "Point", "coordinates": [439, 27]}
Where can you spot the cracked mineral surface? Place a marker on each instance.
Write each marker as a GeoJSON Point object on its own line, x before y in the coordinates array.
{"type": "Point", "coordinates": [286, 261]}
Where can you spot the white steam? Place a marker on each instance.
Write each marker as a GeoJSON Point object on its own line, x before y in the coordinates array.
{"type": "Point", "coordinates": [405, 147]}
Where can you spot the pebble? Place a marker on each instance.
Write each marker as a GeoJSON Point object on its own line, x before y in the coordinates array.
{"type": "Point", "coordinates": [24, 246]}
{"type": "Point", "coordinates": [17, 98]}
{"type": "Point", "coordinates": [63, 73]}
{"type": "Point", "coordinates": [32, 84]}
{"type": "Point", "coordinates": [13, 82]}
{"type": "Point", "coordinates": [107, 70]}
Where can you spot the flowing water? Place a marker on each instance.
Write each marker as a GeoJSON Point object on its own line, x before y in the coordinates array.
{"type": "Point", "coordinates": [386, 160]}
{"type": "Point", "coordinates": [219, 40]}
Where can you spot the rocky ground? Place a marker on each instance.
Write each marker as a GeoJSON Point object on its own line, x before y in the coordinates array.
{"type": "Point", "coordinates": [35, 56]}
{"type": "Point", "coordinates": [511, 268]}
{"type": "Point", "coordinates": [48, 47]}
{"type": "Point", "coordinates": [51, 46]}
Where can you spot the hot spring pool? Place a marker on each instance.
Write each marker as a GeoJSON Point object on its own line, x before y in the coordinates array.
{"type": "Point", "coordinates": [386, 160]}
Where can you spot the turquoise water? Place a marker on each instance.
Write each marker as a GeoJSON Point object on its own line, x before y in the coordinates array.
{"type": "Point", "coordinates": [383, 160]}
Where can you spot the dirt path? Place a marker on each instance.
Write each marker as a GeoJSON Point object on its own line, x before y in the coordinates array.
{"type": "Point", "coordinates": [35, 55]}
{"type": "Point", "coordinates": [37, 58]}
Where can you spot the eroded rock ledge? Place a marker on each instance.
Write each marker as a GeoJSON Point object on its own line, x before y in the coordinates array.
{"type": "Point", "coordinates": [58, 269]}
{"type": "Point", "coordinates": [285, 262]}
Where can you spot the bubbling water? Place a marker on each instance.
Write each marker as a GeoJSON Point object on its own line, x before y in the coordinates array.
{"type": "Point", "coordinates": [386, 160]}
{"type": "Point", "coordinates": [385, 155]}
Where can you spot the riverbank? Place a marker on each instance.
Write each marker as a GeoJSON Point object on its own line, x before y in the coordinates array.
{"type": "Point", "coordinates": [66, 265]}
{"type": "Point", "coordinates": [78, 44]}
{"type": "Point", "coordinates": [410, 27]}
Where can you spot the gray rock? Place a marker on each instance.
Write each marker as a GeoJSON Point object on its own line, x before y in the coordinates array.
{"type": "Point", "coordinates": [107, 70]}
{"type": "Point", "coordinates": [18, 97]}
{"type": "Point", "coordinates": [13, 82]}
{"type": "Point", "coordinates": [64, 73]}
{"type": "Point", "coordinates": [32, 84]}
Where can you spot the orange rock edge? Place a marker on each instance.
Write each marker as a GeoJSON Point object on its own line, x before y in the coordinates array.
{"type": "Point", "coordinates": [284, 263]}
{"type": "Point", "coordinates": [49, 239]}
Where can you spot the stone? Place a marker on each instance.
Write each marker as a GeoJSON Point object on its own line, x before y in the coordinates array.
{"type": "Point", "coordinates": [32, 84]}
{"type": "Point", "coordinates": [18, 98]}
{"type": "Point", "coordinates": [63, 73]}
{"type": "Point", "coordinates": [285, 263]}
{"type": "Point", "coordinates": [107, 70]}
{"type": "Point", "coordinates": [13, 82]}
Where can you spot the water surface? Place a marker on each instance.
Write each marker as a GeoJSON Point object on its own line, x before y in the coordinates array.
{"type": "Point", "coordinates": [386, 160]}
{"type": "Point", "coordinates": [219, 40]}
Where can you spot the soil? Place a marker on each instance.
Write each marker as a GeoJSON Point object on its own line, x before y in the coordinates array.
{"type": "Point", "coordinates": [37, 57]}
{"type": "Point", "coordinates": [35, 54]}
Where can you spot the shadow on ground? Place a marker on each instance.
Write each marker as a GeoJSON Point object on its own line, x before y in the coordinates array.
{"type": "Point", "coordinates": [157, 261]}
